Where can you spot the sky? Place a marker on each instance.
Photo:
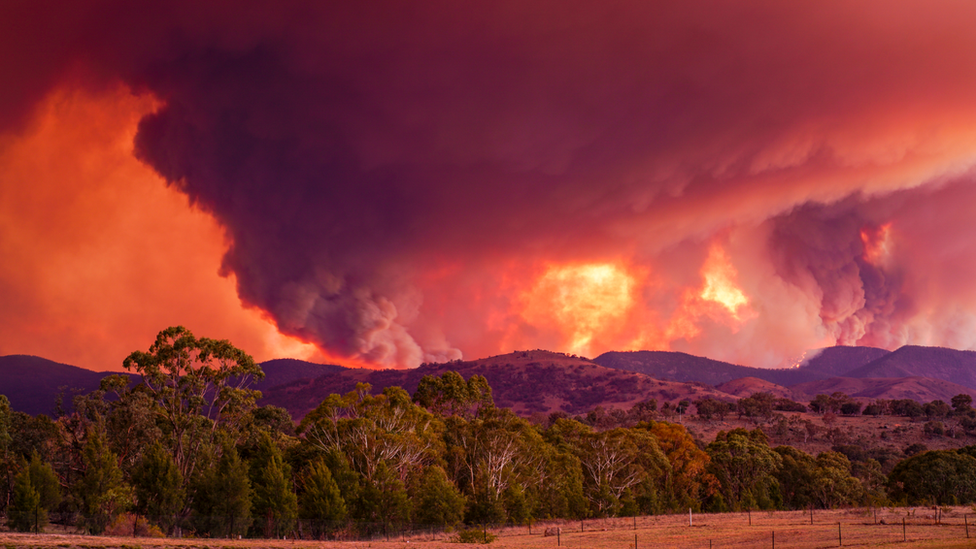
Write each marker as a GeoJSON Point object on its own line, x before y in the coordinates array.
{"type": "Point", "coordinates": [384, 184]}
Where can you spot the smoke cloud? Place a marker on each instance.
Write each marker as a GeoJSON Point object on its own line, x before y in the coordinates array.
{"type": "Point", "coordinates": [397, 181]}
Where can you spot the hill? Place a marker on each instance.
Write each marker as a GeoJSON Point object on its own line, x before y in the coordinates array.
{"type": "Point", "coordinates": [32, 383]}
{"type": "Point", "coordinates": [932, 362]}
{"type": "Point", "coordinates": [840, 360]}
{"type": "Point", "coordinates": [528, 382]}
{"type": "Point", "coordinates": [746, 386]}
{"type": "Point", "coordinates": [285, 370]}
{"type": "Point", "coordinates": [920, 389]}
{"type": "Point", "coordinates": [684, 367]}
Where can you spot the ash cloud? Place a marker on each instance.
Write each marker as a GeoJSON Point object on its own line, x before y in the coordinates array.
{"type": "Point", "coordinates": [350, 150]}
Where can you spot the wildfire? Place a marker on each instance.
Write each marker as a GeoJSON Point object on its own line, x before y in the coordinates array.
{"type": "Point", "coordinates": [720, 287]}
{"type": "Point", "coordinates": [877, 243]}
{"type": "Point", "coordinates": [583, 301]}
{"type": "Point", "coordinates": [719, 298]}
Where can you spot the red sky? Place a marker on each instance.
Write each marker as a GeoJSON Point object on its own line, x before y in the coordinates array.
{"type": "Point", "coordinates": [393, 183]}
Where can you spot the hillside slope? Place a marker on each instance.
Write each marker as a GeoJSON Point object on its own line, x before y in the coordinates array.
{"type": "Point", "coordinates": [932, 362]}
{"type": "Point", "coordinates": [920, 389]}
{"type": "Point", "coordinates": [528, 382]}
{"type": "Point", "coordinates": [684, 367]}
{"type": "Point", "coordinates": [32, 383]}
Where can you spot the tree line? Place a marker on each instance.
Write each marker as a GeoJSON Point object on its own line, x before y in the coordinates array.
{"type": "Point", "coordinates": [188, 451]}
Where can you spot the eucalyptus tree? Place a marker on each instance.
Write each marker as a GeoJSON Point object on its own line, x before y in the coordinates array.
{"type": "Point", "coordinates": [199, 387]}
{"type": "Point", "coordinates": [372, 430]}
{"type": "Point", "coordinates": [746, 467]}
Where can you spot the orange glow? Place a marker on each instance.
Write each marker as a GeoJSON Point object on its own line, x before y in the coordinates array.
{"type": "Point", "coordinates": [98, 254]}
{"type": "Point", "coordinates": [719, 298]}
{"type": "Point", "coordinates": [583, 302]}
{"type": "Point", "coordinates": [877, 243]}
{"type": "Point", "coordinates": [719, 275]}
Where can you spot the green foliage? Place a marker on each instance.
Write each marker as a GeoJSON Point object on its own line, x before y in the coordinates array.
{"type": "Point", "coordinates": [275, 502]}
{"type": "Point", "coordinates": [745, 467]}
{"type": "Point", "coordinates": [158, 486]}
{"type": "Point", "coordinates": [102, 494]}
{"type": "Point", "coordinates": [199, 387]}
{"type": "Point", "coordinates": [474, 535]}
{"type": "Point", "coordinates": [25, 511]}
{"type": "Point", "coordinates": [320, 502]}
{"type": "Point", "coordinates": [943, 477]}
{"type": "Point", "coordinates": [437, 501]}
{"type": "Point", "coordinates": [451, 395]}
{"type": "Point", "coordinates": [45, 481]}
{"type": "Point", "coordinates": [222, 497]}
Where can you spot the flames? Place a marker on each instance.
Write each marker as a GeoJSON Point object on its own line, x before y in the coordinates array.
{"type": "Point", "coordinates": [720, 287]}
{"type": "Point", "coordinates": [587, 302]}
{"type": "Point", "coordinates": [596, 307]}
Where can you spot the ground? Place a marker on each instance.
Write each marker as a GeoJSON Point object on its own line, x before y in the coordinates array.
{"type": "Point", "coordinates": [920, 527]}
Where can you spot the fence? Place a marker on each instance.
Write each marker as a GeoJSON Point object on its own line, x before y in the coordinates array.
{"type": "Point", "coordinates": [944, 527]}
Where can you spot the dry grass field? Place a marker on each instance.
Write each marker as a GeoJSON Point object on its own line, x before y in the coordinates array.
{"type": "Point", "coordinates": [848, 528]}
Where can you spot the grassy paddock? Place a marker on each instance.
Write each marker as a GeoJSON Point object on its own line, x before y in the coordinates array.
{"type": "Point", "coordinates": [881, 527]}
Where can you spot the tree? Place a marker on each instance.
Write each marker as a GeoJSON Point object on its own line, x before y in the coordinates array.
{"type": "Point", "coordinates": [25, 512]}
{"type": "Point", "coordinates": [850, 408]}
{"type": "Point", "coordinates": [962, 403]}
{"type": "Point", "coordinates": [820, 404]}
{"type": "Point", "coordinates": [320, 502]}
{"type": "Point", "coordinates": [945, 477]}
{"type": "Point", "coordinates": [709, 407]}
{"type": "Point", "coordinates": [936, 408]}
{"type": "Point", "coordinates": [222, 502]}
{"type": "Point", "coordinates": [200, 387]}
{"type": "Point", "coordinates": [7, 463]}
{"type": "Point", "coordinates": [437, 501]}
{"type": "Point", "coordinates": [686, 482]}
{"type": "Point", "coordinates": [832, 483]}
{"type": "Point", "coordinates": [275, 503]}
{"type": "Point", "coordinates": [745, 466]}
{"type": "Point", "coordinates": [451, 395]}
{"type": "Point", "coordinates": [795, 477]}
{"type": "Point", "coordinates": [102, 494]}
{"type": "Point", "coordinates": [158, 487]}
{"type": "Point", "coordinates": [758, 405]}
{"type": "Point", "coordinates": [45, 481]}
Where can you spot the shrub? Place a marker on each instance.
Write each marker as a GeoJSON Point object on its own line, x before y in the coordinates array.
{"type": "Point", "coordinates": [474, 535]}
{"type": "Point", "coordinates": [128, 524]}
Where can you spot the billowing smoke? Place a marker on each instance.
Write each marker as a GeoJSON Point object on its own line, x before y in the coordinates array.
{"type": "Point", "coordinates": [395, 177]}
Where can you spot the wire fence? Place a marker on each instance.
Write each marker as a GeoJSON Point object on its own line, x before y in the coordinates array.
{"type": "Point", "coordinates": [881, 526]}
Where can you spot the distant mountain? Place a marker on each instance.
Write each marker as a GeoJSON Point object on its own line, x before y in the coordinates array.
{"type": "Point", "coordinates": [684, 367]}
{"type": "Point", "coordinates": [933, 362]}
{"type": "Point", "coordinates": [32, 383]}
{"type": "Point", "coordinates": [921, 389]}
{"type": "Point", "coordinates": [840, 360]}
{"type": "Point", "coordinates": [532, 382]}
{"type": "Point", "coordinates": [527, 382]}
{"type": "Point", "coordinates": [285, 370]}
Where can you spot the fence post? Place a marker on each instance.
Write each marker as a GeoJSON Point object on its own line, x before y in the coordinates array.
{"type": "Point", "coordinates": [581, 526]}
{"type": "Point", "coordinates": [558, 532]}
{"type": "Point", "coordinates": [811, 514]}
{"type": "Point", "coordinates": [635, 541]}
{"type": "Point", "coordinates": [840, 539]}
{"type": "Point", "coordinates": [635, 522]}
{"type": "Point", "coordinates": [689, 517]}
{"type": "Point", "coordinates": [774, 539]}
{"type": "Point", "coordinates": [904, 530]}
{"type": "Point", "coordinates": [966, 520]}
